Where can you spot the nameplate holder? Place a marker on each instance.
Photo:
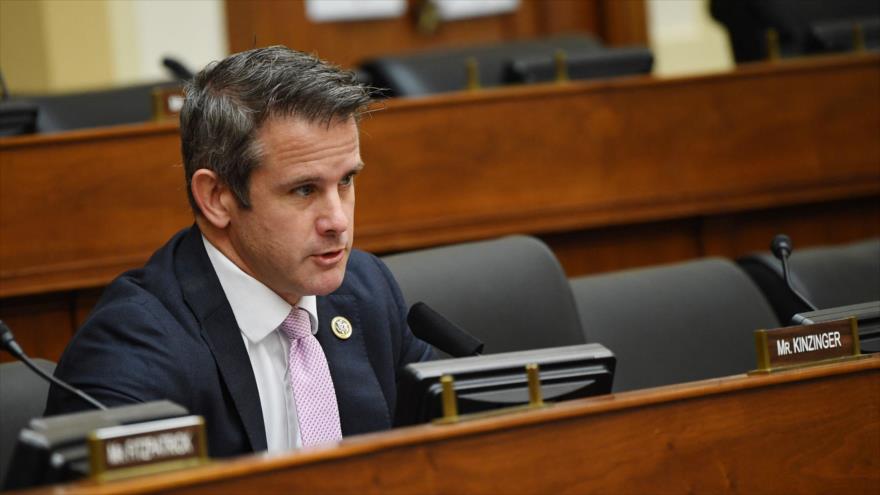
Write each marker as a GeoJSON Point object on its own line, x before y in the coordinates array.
{"type": "Point", "coordinates": [167, 103]}
{"type": "Point", "coordinates": [787, 348]}
{"type": "Point", "coordinates": [126, 451]}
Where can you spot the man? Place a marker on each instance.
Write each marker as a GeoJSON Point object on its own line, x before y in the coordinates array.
{"type": "Point", "coordinates": [224, 318]}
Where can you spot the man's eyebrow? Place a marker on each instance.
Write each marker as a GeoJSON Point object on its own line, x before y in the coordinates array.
{"type": "Point", "coordinates": [298, 181]}
{"type": "Point", "coordinates": [309, 179]}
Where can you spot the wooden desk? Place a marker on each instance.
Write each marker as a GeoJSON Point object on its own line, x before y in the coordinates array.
{"type": "Point", "coordinates": [810, 431]}
{"type": "Point", "coordinates": [612, 175]}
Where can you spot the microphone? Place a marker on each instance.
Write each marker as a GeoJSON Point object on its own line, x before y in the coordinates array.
{"type": "Point", "coordinates": [441, 333]}
{"type": "Point", "coordinates": [53, 449]}
{"type": "Point", "coordinates": [177, 69]}
{"type": "Point", "coordinates": [11, 346]}
{"type": "Point", "coordinates": [781, 247]}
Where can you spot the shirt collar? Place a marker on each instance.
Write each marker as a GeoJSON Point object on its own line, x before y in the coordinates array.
{"type": "Point", "coordinates": [257, 309]}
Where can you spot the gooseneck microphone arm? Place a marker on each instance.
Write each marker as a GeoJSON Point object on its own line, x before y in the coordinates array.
{"type": "Point", "coordinates": [9, 343]}
{"type": "Point", "coordinates": [781, 248]}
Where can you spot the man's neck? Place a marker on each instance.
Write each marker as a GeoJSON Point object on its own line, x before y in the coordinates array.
{"type": "Point", "coordinates": [220, 240]}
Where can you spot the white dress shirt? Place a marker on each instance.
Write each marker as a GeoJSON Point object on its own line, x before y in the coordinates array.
{"type": "Point", "coordinates": [259, 313]}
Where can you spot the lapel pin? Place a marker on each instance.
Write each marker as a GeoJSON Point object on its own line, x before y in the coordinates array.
{"type": "Point", "coordinates": [341, 327]}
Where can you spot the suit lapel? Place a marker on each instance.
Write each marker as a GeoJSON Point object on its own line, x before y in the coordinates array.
{"type": "Point", "coordinates": [357, 388]}
{"type": "Point", "coordinates": [205, 297]}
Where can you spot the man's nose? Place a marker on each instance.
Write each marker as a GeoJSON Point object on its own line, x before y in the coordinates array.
{"type": "Point", "coordinates": [334, 217]}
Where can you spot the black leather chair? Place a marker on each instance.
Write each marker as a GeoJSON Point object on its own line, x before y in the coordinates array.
{"type": "Point", "coordinates": [86, 109]}
{"type": "Point", "coordinates": [438, 71]}
{"type": "Point", "coordinates": [511, 293]}
{"type": "Point", "coordinates": [674, 323]}
{"type": "Point", "coordinates": [828, 276]}
{"type": "Point", "coordinates": [803, 26]}
{"type": "Point", "coordinates": [22, 397]}
{"type": "Point", "coordinates": [603, 64]}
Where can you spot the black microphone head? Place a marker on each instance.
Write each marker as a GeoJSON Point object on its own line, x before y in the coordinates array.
{"type": "Point", "coordinates": [441, 333]}
{"type": "Point", "coordinates": [7, 340]}
{"type": "Point", "coordinates": [178, 69]}
{"type": "Point", "coordinates": [780, 246]}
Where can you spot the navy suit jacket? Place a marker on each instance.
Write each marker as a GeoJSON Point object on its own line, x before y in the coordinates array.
{"type": "Point", "coordinates": [166, 331]}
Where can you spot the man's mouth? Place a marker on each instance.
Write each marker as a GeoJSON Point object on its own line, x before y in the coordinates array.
{"type": "Point", "coordinates": [329, 258]}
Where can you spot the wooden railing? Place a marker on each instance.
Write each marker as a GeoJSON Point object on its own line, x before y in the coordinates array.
{"type": "Point", "coordinates": [815, 430]}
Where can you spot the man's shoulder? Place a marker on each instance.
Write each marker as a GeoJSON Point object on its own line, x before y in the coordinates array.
{"type": "Point", "coordinates": [365, 273]}
{"type": "Point", "coordinates": [133, 291]}
{"type": "Point", "coordinates": [152, 288]}
{"type": "Point", "coordinates": [128, 303]}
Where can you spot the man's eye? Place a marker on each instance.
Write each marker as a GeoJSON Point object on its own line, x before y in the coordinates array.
{"type": "Point", "coordinates": [304, 190]}
{"type": "Point", "coordinates": [347, 180]}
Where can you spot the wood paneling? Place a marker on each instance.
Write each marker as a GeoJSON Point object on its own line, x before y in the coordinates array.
{"type": "Point", "coordinates": [624, 22]}
{"type": "Point", "coordinates": [268, 22]}
{"type": "Point", "coordinates": [583, 156]}
{"type": "Point", "coordinates": [42, 324]}
{"type": "Point", "coordinates": [810, 431]}
{"type": "Point", "coordinates": [79, 208]}
{"type": "Point", "coordinates": [727, 235]}
{"type": "Point", "coordinates": [611, 174]}
{"type": "Point", "coordinates": [808, 225]}
{"type": "Point", "coordinates": [615, 248]}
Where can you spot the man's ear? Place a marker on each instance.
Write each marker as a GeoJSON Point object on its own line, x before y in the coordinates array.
{"type": "Point", "coordinates": [213, 197]}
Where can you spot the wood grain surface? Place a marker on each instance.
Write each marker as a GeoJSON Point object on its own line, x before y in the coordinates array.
{"type": "Point", "coordinates": [611, 175]}
{"type": "Point", "coordinates": [254, 23]}
{"type": "Point", "coordinates": [814, 430]}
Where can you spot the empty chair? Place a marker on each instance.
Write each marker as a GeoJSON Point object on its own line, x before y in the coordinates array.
{"type": "Point", "coordinates": [674, 323]}
{"type": "Point", "coordinates": [803, 27]}
{"type": "Point", "coordinates": [603, 64]}
{"type": "Point", "coordinates": [22, 397]}
{"type": "Point", "coordinates": [511, 293]}
{"type": "Point", "coordinates": [101, 108]}
{"type": "Point", "coordinates": [827, 276]}
{"type": "Point", "coordinates": [443, 70]}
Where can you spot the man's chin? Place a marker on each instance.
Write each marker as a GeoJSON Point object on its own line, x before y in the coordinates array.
{"type": "Point", "coordinates": [328, 282]}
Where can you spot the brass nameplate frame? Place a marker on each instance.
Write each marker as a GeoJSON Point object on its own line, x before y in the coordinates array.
{"type": "Point", "coordinates": [806, 345]}
{"type": "Point", "coordinates": [139, 449]}
{"type": "Point", "coordinates": [167, 103]}
{"type": "Point", "coordinates": [450, 400]}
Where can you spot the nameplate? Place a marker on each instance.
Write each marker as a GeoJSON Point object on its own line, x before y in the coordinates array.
{"type": "Point", "coordinates": [145, 448]}
{"type": "Point", "coordinates": [792, 347]}
{"type": "Point", "coordinates": [167, 103]}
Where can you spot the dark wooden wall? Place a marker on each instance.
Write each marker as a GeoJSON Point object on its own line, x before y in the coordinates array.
{"type": "Point", "coordinates": [611, 175]}
{"type": "Point", "coordinates": [268, 22]}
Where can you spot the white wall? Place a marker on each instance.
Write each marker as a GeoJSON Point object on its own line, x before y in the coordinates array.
{"type": "Point", "coordinates": [86, 44]}
{"type": "Point", "coordinates": [69, 45]}
{"type": "Point", "coordinates": [685, 39]}
{"type": "Point", "coordinates": [145, 31]}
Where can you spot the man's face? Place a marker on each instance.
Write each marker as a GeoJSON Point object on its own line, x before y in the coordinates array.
{"type": "Point", "coordinates": [297, 235]}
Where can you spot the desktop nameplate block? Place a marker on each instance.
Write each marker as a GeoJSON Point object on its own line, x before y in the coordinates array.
{"type": "Point", "coordinates": [145, 448]}
{"type": "Point", "coordinates": [804, 345]}
{"type": "Point", "coordinates": [167, 103]}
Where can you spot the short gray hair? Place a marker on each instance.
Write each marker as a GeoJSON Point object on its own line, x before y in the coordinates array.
{"type": "Point", "coordinates": [228, 101]}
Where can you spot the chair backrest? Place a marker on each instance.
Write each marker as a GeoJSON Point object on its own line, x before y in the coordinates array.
{"type": "Point", "coordinates": [443, 70]}
{"type": "Point", "coordinates": [100, 108]}
{"type": "Point", "coordinates": [827, 276]}
{"type": "Point", "coordinates": [613, 62]}
{"type": "Point", "coordinates": [674, 323]}
{"type": "Point", "coordinates": [22, 397]}
{"type": "Point", "coordinates": [802, 27]}
{"type": "Point", "coordinates": [511, 293]}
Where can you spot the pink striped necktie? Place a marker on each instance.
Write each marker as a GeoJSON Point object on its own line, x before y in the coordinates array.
{"type": "Point", "coordinates": [310, 382]}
